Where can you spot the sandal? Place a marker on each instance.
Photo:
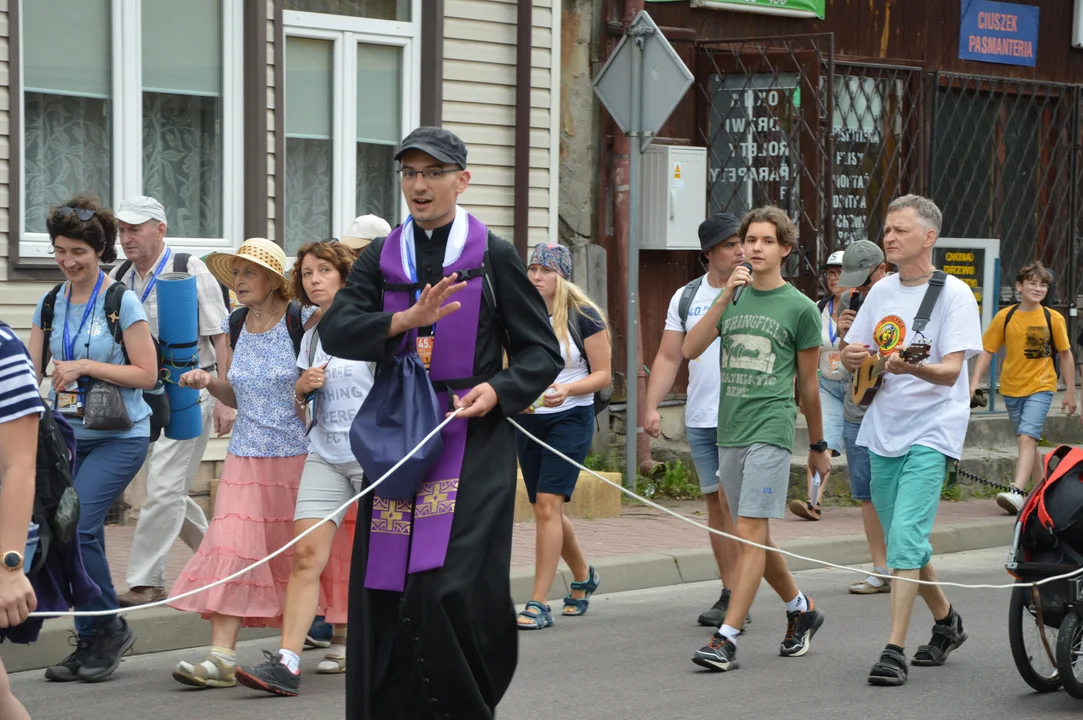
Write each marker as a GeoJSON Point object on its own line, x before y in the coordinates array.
{"type": "Point", "coordinates": [805, 509]}
{"type": "Point", "coordinates": [539, 615]}
{"type": "Point", "coordinates": [931, 655]}
{"type": "Point", "coordinates": [331, 665]}
{"type": "Point", "coordinates": [574, 607]}
{"type": "Point", "coordinates": [890, 670]}
{"type": "Point", "coordinates": [866, 588]}
{"type": "Point", "coordinates": [212, 672]}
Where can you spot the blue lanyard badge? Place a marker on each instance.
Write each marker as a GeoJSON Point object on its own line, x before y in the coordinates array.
{"type": "Point", "coordinates": [153, 278]}
{"type": "Point", "coordinates": [69, 341]}
{"type": "Point", "coordinates": [832, 328]}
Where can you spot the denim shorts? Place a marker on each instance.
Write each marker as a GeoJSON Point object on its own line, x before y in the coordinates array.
{"type": "Point", "coordinates": [703, 445]}
{"type": "Point", "coordinates": [1028, 413]}
{"type": "Point", "coordinates": [569, 431]}
{"type": "Point", "coordinates": [831, 395]}
{"type": "Point", "coordinates": [857, 462]}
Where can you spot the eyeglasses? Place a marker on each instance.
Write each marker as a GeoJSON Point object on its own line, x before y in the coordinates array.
{"type": "Point", "coordinates": [834, 272]}
{"type": "Point", "coordinates": [1036, 284]}
{"type": "Point", "coordinates": [430, 174]}
{"type": "Point", "coordinates": [83, 214]}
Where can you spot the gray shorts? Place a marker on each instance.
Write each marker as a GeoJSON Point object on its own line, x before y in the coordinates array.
{"type": "Point", "coordinates": [755, 479]}
{"type": "Point", "coordinates": [324, 487]}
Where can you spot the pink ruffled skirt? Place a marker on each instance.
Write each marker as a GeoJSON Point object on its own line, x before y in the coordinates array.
{"type": "Point", "coordinates": [253, 517]}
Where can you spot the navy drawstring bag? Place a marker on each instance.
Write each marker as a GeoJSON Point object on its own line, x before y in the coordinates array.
{"type": "Point", "coordinates": [400, 410]}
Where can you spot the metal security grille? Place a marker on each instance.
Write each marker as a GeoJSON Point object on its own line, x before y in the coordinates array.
{"type": "Point", "coordinates": [1005, 165]}
{"type": "Point", "coordinates": [829, 142]}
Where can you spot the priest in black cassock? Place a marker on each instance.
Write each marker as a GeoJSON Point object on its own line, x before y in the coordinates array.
{"type": "Point", "coordinates": [442, 642]}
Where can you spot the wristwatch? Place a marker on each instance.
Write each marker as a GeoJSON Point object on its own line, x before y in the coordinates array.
{"type": "Point", "coordinates": [818, 446]}
{"type": "Point", "coordinates": [12, 560]}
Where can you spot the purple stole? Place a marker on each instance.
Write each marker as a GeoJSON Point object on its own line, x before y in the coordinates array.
{"type": "Point", "coordinates": [418, 530]}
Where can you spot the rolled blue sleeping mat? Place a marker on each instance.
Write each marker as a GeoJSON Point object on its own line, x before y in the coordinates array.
{"type": "Point", "coordinates": [178, 339]}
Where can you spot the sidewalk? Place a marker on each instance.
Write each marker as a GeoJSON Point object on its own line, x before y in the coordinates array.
{"type": "Point", "coordinates": [644, 548]}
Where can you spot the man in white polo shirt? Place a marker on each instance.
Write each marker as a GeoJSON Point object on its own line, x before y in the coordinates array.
{"type": "Point", "coordinates": [171, 465]}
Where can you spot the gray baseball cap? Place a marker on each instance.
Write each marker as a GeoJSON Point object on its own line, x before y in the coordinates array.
{"type": "Point", "coordinates": [442, 144]}
{"type": "Point", "coordinates": [859, 260]}
{"type": "Point", "coordinates": [137, 210]}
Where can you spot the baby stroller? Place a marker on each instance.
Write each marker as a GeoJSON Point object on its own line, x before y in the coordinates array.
{"type": "Point", "coordinates": [1045, 623]}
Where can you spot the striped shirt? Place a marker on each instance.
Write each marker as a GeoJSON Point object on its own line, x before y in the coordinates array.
{"type": "Point", "coordinates": [19, 394]}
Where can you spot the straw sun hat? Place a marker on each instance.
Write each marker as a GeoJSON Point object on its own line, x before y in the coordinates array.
{"type": "Point", "coordinates": [260, 251]}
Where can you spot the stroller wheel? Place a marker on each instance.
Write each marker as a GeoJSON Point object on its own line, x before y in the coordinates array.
{"type": "Point", "coordinates": [1030, 653]}
{"type": "Point", "coordinates": [1070, 654]}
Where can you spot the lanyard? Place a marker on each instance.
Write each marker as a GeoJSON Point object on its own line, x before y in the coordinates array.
{"type": "Point", "coordinates": [153, 278]}
{"type": "Point", "coordinates": [833, 334]}
{"type": "Point", "coordinates": [69, 341]}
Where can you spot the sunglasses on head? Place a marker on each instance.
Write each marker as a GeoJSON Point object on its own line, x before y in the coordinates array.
{"type": "Point", "coordinates": [83, 214]}
{"type": "Point", "coordinates": [330, 241]}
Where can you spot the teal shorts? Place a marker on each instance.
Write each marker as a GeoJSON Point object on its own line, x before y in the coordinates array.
{"type": "Point", "coordinates": [906, 493]}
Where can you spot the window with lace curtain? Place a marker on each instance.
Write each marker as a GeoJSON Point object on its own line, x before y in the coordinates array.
{"type": "Point", "coordinates": [131, 99]}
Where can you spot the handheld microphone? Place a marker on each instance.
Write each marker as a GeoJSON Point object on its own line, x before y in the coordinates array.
{"type": "Point", "coordinates": [741, 289]}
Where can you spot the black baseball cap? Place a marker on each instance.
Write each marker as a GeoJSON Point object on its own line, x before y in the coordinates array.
{"type": "Point", "coordinates": [717, 228]}
{"type": "Point", "coordinates": [442, 144]}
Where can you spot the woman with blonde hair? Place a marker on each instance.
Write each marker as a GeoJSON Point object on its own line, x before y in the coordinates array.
{"type": "Point", "coordinates": [564, 419]}
{"type": "Point", "coordinates": [257, 493]}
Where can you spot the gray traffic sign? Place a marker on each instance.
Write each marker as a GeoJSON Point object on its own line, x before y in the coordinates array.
{"type": "Point", "coordinates": [665, 79]}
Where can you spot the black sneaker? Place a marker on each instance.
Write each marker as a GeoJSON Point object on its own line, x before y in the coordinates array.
{"type": "Point", "coordinates": [107, 647]}
{"type": "Point", "coordinates": [719, 655]}
{"type": "Point", "coordinates": [67, 670]}
{"type": "Point", "coordinates": [946, 638]}
{"type": "Point", "coordinates": [800, 627]}
{"type": "Point", "coordinates": [270, 676]}
{"type": "Point", "coordinates": [717, 614]}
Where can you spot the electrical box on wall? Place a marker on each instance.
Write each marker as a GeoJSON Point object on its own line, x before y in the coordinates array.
{"type": "Point", "coordinates": [673, 197]}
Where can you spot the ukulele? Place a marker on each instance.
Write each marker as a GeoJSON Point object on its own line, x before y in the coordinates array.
{"type": "Point", "coordinates": [866, 379]}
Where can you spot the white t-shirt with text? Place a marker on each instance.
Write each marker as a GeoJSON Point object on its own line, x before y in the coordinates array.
{"type": "Point", "coordinates": [346, 385]}
{"type": "Point", "coordinates": [907, 410]}
{"type": "Point", "coordinates": [704, 373]}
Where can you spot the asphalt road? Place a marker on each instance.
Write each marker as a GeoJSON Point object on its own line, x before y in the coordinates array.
{"type": "Point", "coordinates": [630, 658]}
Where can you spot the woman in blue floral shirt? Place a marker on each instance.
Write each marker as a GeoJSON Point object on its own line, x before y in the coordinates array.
{"type": "Point", "coordinates": [254, 506]}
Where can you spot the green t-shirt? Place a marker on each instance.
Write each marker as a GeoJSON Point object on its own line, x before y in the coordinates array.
{"type": "Point", "coordinates": [761, 337]}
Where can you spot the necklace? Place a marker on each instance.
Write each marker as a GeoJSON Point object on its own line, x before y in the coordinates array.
{"type": "Point", "coordinates": [273, 318]}
{"type": "Point", "coordinates": [916, 277]}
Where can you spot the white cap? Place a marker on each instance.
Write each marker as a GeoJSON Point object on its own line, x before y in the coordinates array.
{"type": "Point", "coordinates": [834, 259]}
{"type": "Point", "coordinates": [363, 230]}
{"type": "Point", "coordinates": [137, 210]}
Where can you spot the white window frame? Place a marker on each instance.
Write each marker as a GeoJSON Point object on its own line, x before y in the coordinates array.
{"type": "Point", "coordinates": [126, 105]}
{"type": "Point", "coordinates": [346, 33]}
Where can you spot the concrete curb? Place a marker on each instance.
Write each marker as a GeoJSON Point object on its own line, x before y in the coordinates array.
{"type": "Point", "coordinates": [164, 629]}
{"type": "Point", "coordinates": [674, 567]}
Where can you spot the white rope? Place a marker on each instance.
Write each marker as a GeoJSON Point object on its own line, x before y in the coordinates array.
{"type": "Point", "coordinates": [645, 501]}
{"type": "Point", "coordinates": [264, 561]}
{"type": "Point", "coordinates": [847, 568]}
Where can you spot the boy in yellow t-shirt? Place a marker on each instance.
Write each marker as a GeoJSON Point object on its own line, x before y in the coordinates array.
{"type": "Point", "coordinates": [1031, 333]}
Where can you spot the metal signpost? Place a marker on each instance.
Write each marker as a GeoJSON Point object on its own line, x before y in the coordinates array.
{"type": "Point", "coordinates": [639, 85]}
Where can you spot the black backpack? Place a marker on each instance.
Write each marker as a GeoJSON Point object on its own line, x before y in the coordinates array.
{"type": "Point", "coordinates": [114, 294]}
{"type": "Point", "coordinates": [684, 305]}
{"type": "Point", "coordinates": [56, 504]}
{"type": "Point", "coordinates": [180, 265]}
{"type": "Point", "coordinates": [1051, 348]}
{"type": "Point", "coordinates": [295, 325]}
{"type": "Point", "coordinates": [603, 396]}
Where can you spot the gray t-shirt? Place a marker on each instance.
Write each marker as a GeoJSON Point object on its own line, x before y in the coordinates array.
{"type": "Point", "coordinates": [851, 412]}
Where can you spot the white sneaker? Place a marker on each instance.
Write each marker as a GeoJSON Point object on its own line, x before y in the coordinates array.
{"type": "Point", "coordinates": [1010, 501]}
